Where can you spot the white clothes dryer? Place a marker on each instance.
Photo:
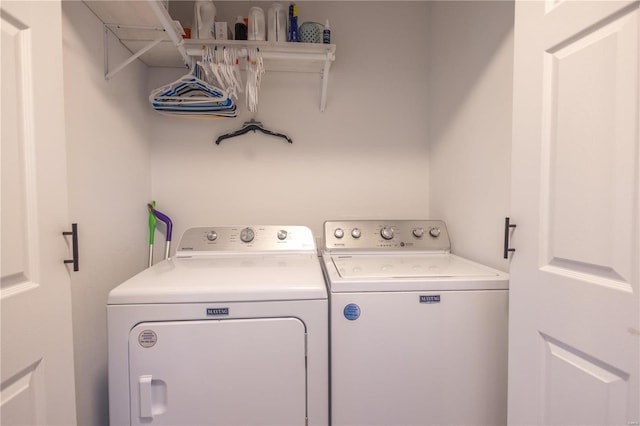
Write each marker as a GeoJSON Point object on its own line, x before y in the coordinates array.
{"type": "Point", "coordinates": [418, 335]}
{"type": "Point", "coordinates": [231, 331]}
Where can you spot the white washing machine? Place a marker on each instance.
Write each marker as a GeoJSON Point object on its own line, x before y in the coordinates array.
{"type": "Point", "coordinates": [418, 335]}
{"type": "Point", "coordinates": [231, 331]}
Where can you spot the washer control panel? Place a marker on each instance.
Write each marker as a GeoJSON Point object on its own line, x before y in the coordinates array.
{"type": "Point", "coordinates": [379, 235]}
{"type": "Point", "coordinates": [205, 240]}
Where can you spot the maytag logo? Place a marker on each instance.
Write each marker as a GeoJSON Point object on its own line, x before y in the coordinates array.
{"type": "Point", "coordinates": [217, 311]}
{"type": "Point", "coordinates": [434, 298]}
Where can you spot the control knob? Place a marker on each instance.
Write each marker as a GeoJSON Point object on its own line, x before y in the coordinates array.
{"type": "Point", "coordinates": [338, 233]}
{"type": "Point", "coordinates": [386, 232]}
{"type": "Point", "coordinates": [356, 233]}
{"type": "Point", "coordinates": [247, 235]}
{"type": "Point", "coordinates": [282, 234]}
{"type": "Point", "coordinates": [418, 232]}
{"type": "Point", "coordinates": [212, 235]}
{"type": "Point", "coordinates": [434, 232]}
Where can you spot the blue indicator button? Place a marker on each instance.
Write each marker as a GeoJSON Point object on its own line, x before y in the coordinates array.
{"type": "Point", "coordinates": [352, 312]}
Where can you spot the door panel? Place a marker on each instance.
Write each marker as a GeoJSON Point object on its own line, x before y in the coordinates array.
{"type": "Point", "coordinates": [574, 295]}
{"type": "Point", "coordinates": [603, 389]}
{"type": "Point", "coordinates": [225, 372]}
{"type": "Point", "coordinates": [15, 179]}
{"type": "Point", "coordinates": [589, 142]}
{"type": "Point", "coordinates": [20, 397]}
{"type": "Point", "coordinates": [37, 358]}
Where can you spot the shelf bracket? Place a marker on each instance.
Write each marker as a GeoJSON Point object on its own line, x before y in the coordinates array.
{"type": "Point", "coordinates": [168, 29]}
{"type": "Point", "coordinates": [325, 82]}
{"type": "Point", "coordinates": [168, 25]}
{"type": "Point", "coordinates": [108, 74]}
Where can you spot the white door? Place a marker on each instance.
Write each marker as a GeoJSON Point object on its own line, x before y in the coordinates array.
{"type": "Point", "coordinates": [574, 333]}
{"type": "Point", "coordinates": [37, 383]}
{"type": "Point", "coordinates": [229, 372]}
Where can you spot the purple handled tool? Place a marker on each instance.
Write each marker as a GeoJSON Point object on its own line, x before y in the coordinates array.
{"type": "Point", "coordinates": [164, 218]}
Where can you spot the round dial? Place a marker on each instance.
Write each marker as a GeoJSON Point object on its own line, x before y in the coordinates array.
{"type": "Point", "coordinates": [212, 235]}
{"type": "Point", "coordinates": [338, 233]}
{"type": "Point", "coordinates": [434, 232]}
{"type": "Point", "coordinates": [386, 232]}
{"type": "Point", "coordinates": [356, 233]}
{"type": "Point", "coordinates": [282, 234]}
{"type": "Point", "coordinates": [418, 232]}
{"type": "Point", "coordinates": [247, 235]}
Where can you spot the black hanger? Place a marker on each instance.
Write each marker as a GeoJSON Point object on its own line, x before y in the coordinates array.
{"type": "Point", "coordinates": [251, 125]}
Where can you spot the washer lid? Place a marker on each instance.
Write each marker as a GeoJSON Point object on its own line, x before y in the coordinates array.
{"type": "Point", "coordinates": [408, 266]}
{"type": "Point", "coordinates": [409, 272]}
{"type": "Point", "coordinates": [232, 278]}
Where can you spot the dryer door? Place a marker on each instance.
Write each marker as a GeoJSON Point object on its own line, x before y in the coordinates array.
{"type": "Point", "coordinates": [218, 372]}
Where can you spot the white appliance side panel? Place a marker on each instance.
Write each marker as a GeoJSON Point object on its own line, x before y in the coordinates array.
{"type": "Point", "coordinates": [427, 358]}
{"type": "Point", "coordinates": [218, 372]}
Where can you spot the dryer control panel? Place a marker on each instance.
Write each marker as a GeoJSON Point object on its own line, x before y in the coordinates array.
{"type": "Point", "coordinates": [245, 239]}
{"type": "Point", "coordinates": [386, 235]}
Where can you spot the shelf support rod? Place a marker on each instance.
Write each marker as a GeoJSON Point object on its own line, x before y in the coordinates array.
{"type": "Point", "coordinates": [109, 74]}
{"type": "Point", "coordinates": [105, 42]}
{"type": "Point", "coordinates": [167, 24]}
{"type": "Point", "coordinates": [325, 83]}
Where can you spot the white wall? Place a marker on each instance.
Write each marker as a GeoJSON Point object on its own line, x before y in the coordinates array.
{"type": "Point", "coordinates": [470, 89]}
{"type": "Point", "coordinates": [109, 186]}
{"type": "Point", "coordinates": [364, 157]}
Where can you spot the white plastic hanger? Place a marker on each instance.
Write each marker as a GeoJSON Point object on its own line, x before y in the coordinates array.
{"type": "Point", "coordinates": [191, 95]}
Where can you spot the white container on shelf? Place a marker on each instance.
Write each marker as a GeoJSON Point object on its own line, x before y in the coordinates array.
{"type": "Point", "coordinates": [204, 18]}
{"type": "Point", "coordinates": [256, 30]}
{"type": "Point", "coordinates": [276, 23]}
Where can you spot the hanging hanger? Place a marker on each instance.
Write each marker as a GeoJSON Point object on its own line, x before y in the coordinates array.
{"type": "Point", "coordinates": [251, 126]}
{"type": "Point", "coordinates": [188, 89]}
{"type": "Point", "coordinates": [191, 95]}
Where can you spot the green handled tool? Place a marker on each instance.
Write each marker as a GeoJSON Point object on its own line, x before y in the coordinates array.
{"type": "Point", "coordinates": [152, 232]}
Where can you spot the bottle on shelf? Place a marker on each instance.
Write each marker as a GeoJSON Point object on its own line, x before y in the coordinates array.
{"type": "Point", "coordinates": [241, 29]}
{"type": "Point", "coordinates": [326, 33]}
{"type": "Point", "coordinates": [204, 18]}
{"type": "Point", "coordinates": [256, 29]}
{"type": "Point", "coordinates": [293, 22]}
{"type": "Point", "coordinates": [277, 23]}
